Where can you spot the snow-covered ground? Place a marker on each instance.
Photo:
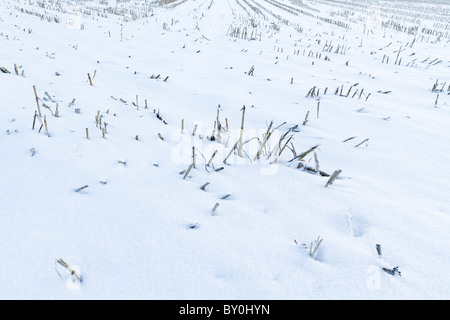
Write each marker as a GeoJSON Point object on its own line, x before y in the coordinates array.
{"type": "Point", "coordinates": [101, 174]}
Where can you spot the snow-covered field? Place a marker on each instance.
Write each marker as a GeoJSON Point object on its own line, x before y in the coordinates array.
{"type": "Point", "coordinates": [186, 149]}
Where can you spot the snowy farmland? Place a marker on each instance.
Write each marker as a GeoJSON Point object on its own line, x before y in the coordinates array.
{"type": "Point", "coordinates": [224, 149]}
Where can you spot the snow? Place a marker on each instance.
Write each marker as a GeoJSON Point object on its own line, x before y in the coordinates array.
{"type": "Point", "coordinates": [142, 229]}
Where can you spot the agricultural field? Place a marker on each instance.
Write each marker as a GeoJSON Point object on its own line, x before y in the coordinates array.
{"type": "Point", "coordinates": [224, 149]}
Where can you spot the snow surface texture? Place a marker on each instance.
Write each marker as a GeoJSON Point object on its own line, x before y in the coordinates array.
{"type": "Point", "coordinates": [367, 83]}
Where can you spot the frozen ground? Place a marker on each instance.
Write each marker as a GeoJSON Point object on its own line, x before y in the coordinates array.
{"type": "Point", "coordinates": [118, 206]}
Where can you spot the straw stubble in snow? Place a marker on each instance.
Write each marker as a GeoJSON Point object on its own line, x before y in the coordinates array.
{"type": "Point", "coordinates": [239, 149]}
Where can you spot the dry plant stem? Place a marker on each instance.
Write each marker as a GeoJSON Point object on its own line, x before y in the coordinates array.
{"type": "Point", "coordinates": [49, 96]}
{"type": "Point", "coordinates": [333, 177]}
{"type": "Point", "coordinates": [242, 132]}
{"type": "Point", "coordinates": [231, 151]}
{"type": "Point", "coordinates": [215, 208]}
{"type": "Point", "coordinates": [361, 93]}
{"type": "Point", "coordinates": [313, 249]}
{"type": "Point", "coordinates": [263, 144]}
{"type": "Point", "coordinates": [361, 143]}
{"type": "Point", "coordinates": [348, 139]}
{"type": "Point", "coordinates": [45, 125]}
{"type": "Point", "coordinates": [282, 149]}
{"type": "Point", "coordinates": [378, 247]}
{"type": "Point", "coordinates": [304, 154]}
{"type": "Point", "coordinates": [281, 126]}
{"type": "Point", "coordinates": [81, 188]}
{"type": "Point", "coordinates": [34, 119]}
{"type": "Point", "coordinates": [219, 125]}
{"type": "Point", "coordinates": [187, 171]}
{"type": "Point", "coordinates": [277, 148]}
{"type": "Point", "coordinates": [316, 160]}
{"type": "Point", "coordinates": [69, 268]}
{"type": "Point", "coordinates": [399, 51]}
{"type": "Point", "coordinates": [212, 157]}
{"type": "Point", "coordinates": [349, 90]}
{"type": "Point", "coordinates": [313, 170]}
{"type": "Point", "coordinates": [294, 152]}
{"type": "Point", "coordinates": [213, 134]}
{"type": "Point", "coordinates": [204, 186]}
{"type": "Point", "coordinates": [97, 118]}
{"type": "Point", "coordinates": [37, 102]}
{"type": "Point", "coordinates": [306, 119]}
